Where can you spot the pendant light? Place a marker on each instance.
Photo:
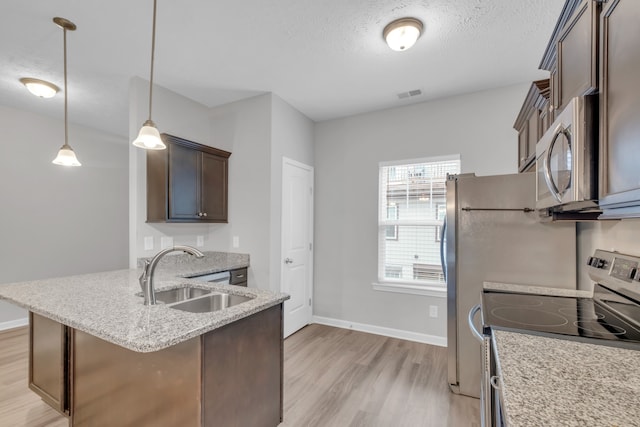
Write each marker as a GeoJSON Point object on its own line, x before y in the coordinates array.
{"type": "Point", "coordinates": [149, 137]}
{"type": "Point", "coordinates": [66, 156]}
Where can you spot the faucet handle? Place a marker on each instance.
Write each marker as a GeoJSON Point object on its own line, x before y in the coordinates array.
{"type": "Point", "coordinates": [145, 273]}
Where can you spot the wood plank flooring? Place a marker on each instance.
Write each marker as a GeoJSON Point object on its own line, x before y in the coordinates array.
{"type": "Point", "coordinates": [333, 378]}
{"type": "Point", "coordinates": [339, 377]}
{"type": "Point", "coordinates": [19, 406]}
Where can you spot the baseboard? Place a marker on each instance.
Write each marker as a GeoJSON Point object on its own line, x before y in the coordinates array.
{"type": "Point", "coordinates": [379, 330]}
{"type": "Point", "coordinates": [11, 324]}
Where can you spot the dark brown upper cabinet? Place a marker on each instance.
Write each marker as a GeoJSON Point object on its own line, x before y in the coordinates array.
{"type": "Point", "coordinates": [620, 109]}
{"type": "Point", "coordinates": [549, 60]}
{"type": "Point", "coordinates": [187, 182]}
{"type": "Point", "coordinates": [531, 123]}
{"type": "Point", "coordinates": [578, 42]}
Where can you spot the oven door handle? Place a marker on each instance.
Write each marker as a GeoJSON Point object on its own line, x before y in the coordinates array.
{"type": "Point", "coordinates": [472, 313]}
{"type": "Point", "coordinates": [547, 162]}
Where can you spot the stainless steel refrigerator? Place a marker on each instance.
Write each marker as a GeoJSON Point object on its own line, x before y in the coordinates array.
{"type": "Point", "coordinates": [493, 233]}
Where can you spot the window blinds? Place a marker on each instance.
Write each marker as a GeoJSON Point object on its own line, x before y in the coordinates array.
{"type": "Point", "coordinates": [411, 210]}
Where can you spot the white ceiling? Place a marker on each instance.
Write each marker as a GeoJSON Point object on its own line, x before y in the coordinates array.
{"type": "Point", "coordinates": [327, 58]}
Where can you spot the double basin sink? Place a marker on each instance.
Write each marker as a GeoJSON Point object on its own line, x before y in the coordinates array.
{"type": "Point", "coordinates": [198, 300]}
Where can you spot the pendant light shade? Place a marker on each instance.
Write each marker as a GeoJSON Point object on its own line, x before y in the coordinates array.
{"type": "Point", "coordinates": [66, 156]}
{"type": "Point", "coordinates": [149, 137]}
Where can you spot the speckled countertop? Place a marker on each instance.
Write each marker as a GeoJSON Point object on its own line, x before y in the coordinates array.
{"type": "Point", "coordinates": [185, 265]}
{"type": "Point", "coordinates": [557, 382]}
{"type": "Point", "coordinates": [107, 304]}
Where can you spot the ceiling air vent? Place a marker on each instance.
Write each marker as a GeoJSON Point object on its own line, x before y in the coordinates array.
{"type": "Point", "coordinates": [409, 94]}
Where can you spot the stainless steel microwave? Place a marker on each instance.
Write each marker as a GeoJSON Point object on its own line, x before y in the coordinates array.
{"type": "Point", "coordinates": [567, 159]}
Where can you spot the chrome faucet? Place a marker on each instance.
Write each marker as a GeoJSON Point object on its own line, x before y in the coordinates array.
{"type": "Point", "coordinates": [146, 279]}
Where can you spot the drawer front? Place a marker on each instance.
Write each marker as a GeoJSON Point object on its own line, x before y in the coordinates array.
{"type": "Point", "coordinates": [238, 276]}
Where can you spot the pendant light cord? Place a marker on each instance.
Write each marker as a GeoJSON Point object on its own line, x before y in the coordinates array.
{"type": "Point", "coordinates": [153, 49]}
{"type": "Point", "coordinates": [66, 131]}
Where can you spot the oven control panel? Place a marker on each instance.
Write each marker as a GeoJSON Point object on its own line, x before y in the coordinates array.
{"type": "Point", "coordinates": [616, 271]}
{"type": "Point", "coordinates": [624, 269]}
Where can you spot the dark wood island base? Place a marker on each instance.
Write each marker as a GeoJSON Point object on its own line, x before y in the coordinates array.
{"type": "Point", "coordinates": [231, 376]}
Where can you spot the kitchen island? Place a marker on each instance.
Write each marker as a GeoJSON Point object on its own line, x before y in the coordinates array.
{"type": "Point", "coordinates": [101, 357]}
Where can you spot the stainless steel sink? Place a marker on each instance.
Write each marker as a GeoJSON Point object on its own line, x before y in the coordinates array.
{"type": "Point", "coordinates": [214, 302]}
{"type": "Point", "coordinates": [171, 296]}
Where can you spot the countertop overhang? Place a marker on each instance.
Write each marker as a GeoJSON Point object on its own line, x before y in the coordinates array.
{"type": "Point", "coordinates": [108, 305]}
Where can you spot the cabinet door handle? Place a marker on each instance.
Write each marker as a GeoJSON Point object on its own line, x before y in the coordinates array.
{"type": "Point", "coordinates": [288, 261]}
{"type": "Point", "coordinates": [199, 213]}
{"type": "Point", "coordinates": [204, 214]}
{"type": "Point", "coordinates": [240, 276]}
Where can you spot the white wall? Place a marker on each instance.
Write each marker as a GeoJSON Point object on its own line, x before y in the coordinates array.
{"type": "Point", "coordinates": [477, 126]}
{"type": "Point", "coordinates": [244, 128]}
{"type": "Point", "coordinates": [292, 137]}
{"type": "Point", "coordinates": [59, 221]}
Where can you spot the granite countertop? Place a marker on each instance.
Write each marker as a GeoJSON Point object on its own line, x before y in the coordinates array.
{"type": "Point", "coordinates": [181, 264]}
{"type": "Point", "coordinates": [109, 306]}
{"type": "Point", "coordinates": [557, 382]}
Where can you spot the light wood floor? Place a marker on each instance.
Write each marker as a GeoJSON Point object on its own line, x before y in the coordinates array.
{"type": "Point", "coordinates": [333, 378]}
{"type": "Point", "coordinates": [338, 377]}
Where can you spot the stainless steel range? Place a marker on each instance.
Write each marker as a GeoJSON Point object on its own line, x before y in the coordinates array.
{"type": "Point", "coordinates": [575, 318]}
{"type": "Point", "coordinates": [611, 317]}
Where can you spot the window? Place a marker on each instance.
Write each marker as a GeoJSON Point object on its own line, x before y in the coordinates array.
{"type": "Point", "coordinates": [411, 210]}
{"type": "Point", "coordinates": [392, 230]}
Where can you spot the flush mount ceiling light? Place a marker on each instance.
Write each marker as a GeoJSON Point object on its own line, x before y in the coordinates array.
{"type": "Point", "coordinates": [66, 156]}
{"type": "Point", "coordinates": [149, 137]}
{"type": "Point", "coordinates": [402, 33]}
{"type": "Point", "coordinates": [40, 88]}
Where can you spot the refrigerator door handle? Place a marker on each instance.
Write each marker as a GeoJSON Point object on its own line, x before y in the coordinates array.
{"type": "Point", "coordinates": [472, 313]}
{"type": "Point", "coordinates": [443, 256]}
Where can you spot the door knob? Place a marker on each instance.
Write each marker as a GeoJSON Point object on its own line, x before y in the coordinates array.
{"type": "Point", "coordinates": [288, 261]}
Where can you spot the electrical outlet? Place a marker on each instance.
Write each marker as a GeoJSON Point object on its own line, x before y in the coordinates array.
{"type": "Point", "coordinates": [236, 241]}
{"type": "Point", "coordinates": [148, 243]}
{"type": "Point", "coordinates": [433, 311]}
{"type": "Point", "coordinates": [199, 241]}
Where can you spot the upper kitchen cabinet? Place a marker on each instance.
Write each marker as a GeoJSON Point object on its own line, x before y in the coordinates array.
{"type": "Point", "coordinates": [531, 123]}
{"type": "Point", "coordinates": [567, 45]}
{"type": "Point", "coordinates": [620, 109]}
{"type": "Point", "coordinates": [187, 182]}
{"type": "Point", "coordinates": [577, 73]}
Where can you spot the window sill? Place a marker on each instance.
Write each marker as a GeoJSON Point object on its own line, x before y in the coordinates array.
{"type": "Point", "coordinates": [401, 288]}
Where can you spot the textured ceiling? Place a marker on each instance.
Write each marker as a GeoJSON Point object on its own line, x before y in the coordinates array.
{"type": "Point", "coordinates": [325, 57]}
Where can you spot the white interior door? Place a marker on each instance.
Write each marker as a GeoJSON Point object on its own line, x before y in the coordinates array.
{"type": "Point", "coordinates": [297, 243]}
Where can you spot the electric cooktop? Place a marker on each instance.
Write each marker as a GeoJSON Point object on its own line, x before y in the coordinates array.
{"type": "Point", "coordinates": [574, 317]}
{"type": "Point", "coordinates": [611, 317]}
